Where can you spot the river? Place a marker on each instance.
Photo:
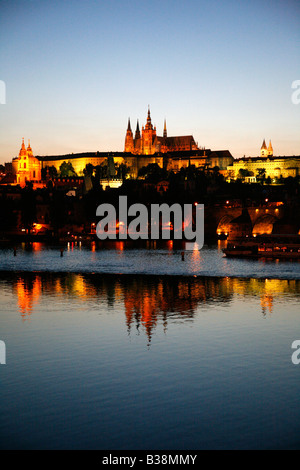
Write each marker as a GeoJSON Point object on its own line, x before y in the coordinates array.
{"type": "Point", "coordinates": [138, 349]}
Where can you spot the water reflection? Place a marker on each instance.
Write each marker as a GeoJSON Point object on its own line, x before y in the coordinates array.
{"type": "Point", "coordinates": [28, 291]}
{"type": "Point", "coordinates": [146, 300]}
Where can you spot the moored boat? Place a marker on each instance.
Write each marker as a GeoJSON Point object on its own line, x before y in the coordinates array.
{"type": "Point", "coordinates": [265, 246]}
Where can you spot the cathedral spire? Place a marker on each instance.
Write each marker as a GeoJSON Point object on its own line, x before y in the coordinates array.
{"type": "Point", "coordinates": [165, 129]}
{"type": "Point", "coordinates": [149, 117]}
{"type": "Point", "coordinates": [137, 132]}
{"type": "Point", "coordinates": [129, 139]}
{"type": "Point", "coordinates": [148, 124]}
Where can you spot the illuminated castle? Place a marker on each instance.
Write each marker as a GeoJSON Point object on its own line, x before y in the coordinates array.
{"type": "Point", "coordinates": [146, 147]}
{"type": "Point", "coordinates": [271, 166]}
{"type": "Point", "coordinates": [148, 142]}
{"type": "Point", "coordinates": [28, 167]}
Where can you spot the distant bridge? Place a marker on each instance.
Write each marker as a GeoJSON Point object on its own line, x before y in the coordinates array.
{"type": "Point", "coordinates": [217, 219]}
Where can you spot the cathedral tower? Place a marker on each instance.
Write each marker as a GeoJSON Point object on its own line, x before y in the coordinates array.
{"type": "Point", "coordinates": [137, 139]}
{"type": "Point", "coordinates": [270, 149]}
{"type": "Point", "coordinates": [129, 147]}
{"type": "Point", "coordinates": [148, 137]}
{"type": "Point", "coordinates": [266, 151]}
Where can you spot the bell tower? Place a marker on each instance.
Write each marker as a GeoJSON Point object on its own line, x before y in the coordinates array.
{"type": "Point", "coordinates": [270, 149]}
{"type": "Point", "coordinates": [263, 150]}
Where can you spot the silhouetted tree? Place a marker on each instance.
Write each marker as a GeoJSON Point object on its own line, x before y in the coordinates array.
{"type": "Point", "coordinates": [261, 175]}
{"type": "Point", "coordinates": [88, 170]}
{"type": "Point", "coordinates": [243, 173]}
{"type": "Point", "coordinates": [66, 169]}
{"type": "Point", "coordinates": [153, 173]}
{"type": "Point", "coordinates": [50, 171]}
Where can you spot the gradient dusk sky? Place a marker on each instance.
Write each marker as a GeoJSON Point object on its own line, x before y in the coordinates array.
{"type": "Point", "coordinates": [220, 70]}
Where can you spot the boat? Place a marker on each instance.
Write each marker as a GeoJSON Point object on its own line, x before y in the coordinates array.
{"type": "Point", "coordinates": [264, 246]}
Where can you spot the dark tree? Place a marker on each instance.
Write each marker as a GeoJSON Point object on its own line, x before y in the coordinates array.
{"type": "Point", "coordinates": [66, 170]}
{"type": "Point", "coordinates": [49, 171]}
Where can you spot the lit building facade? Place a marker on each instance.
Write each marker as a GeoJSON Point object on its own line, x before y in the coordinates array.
{"type": "Point", "coordinates": [28, 167]}
{"type": "Point", "coordinates": [172, 153]}
{"type": "Point", "coordinates": [267, 165]}
{"type": "Point", "coordinates": [204, 159]}
{"type": "Point", "coordinates": [172, 161]}
{"type": "Point", "coordinates": [79, 161]}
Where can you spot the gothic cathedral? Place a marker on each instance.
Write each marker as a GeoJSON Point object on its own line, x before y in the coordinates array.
{"type": "Point", "coordinates": [148, 142]}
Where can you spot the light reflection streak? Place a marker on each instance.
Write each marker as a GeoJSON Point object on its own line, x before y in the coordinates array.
{"type": "Point", "coordinates": [148, 302]}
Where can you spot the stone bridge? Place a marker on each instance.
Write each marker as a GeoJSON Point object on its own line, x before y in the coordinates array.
{"type": "Point", "coordinates": [217, 219]}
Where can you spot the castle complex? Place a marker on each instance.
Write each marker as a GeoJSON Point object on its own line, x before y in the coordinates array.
{"type": "Point", "coordinates": [171, 153]}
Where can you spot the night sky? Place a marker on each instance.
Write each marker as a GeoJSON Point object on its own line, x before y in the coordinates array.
{"type": "Point", "coordinates": [76, 70]}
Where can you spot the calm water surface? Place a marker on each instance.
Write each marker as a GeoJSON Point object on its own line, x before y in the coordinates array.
{"type": "Point", "coordinates": [123, 258]}
{"type": "Point", "coordinates": [128, 361]}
